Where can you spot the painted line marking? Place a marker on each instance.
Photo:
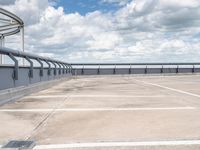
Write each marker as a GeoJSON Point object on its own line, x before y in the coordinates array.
{"type": "Point", "coordinates": [118, 144]}
{"type": "Point", "coordinates": [168, 88]}
{"type": "Point", "coordinates": [108, 96]}
{"type": "Point", "coordinates": [97, 109]}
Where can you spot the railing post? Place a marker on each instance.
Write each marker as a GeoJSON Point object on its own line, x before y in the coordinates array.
{"type": "Point", "coordinates": [63, 68]}
{"type": "Point", "coordinates": [130, 69]}
{"type": "Point", "coordinates": [177, 69]}
{"type": "Point", "coordinates": [49, 69]}
{"type": "Point", "coordinates": [98, 71]}
{"type": "Point", "coordinates": [145, 70]}
{"type": "Point", "coordinates": [114, 70]}
{"type": "Point", "coordinates": [31, 67]}
{"type": "Point", "coordinates": [70, 69]}
{"type": "Point", "coordinates": [55, 68]}
{"type": "Point", "coordinates": [41, 68]}
{"type": "Point", "coordinates": [59, 68]}
{"type": "Point", "coordinates": [82, 72]}
{"type": "Point", "coordinates": [193, 69]}
{"type": "Point", "coordinates": [66, 68]}
{"type": "Point", "coordinates": [2, 42]}
{"type": "Point", "coordinates": [161, 69]}
{"type": "Point", "coordinates": [16, 68]}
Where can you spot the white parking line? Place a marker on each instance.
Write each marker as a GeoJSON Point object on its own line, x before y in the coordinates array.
{"type": "Point", "coordinates": [168, 88]}
{"type": "Point", "coordinates": [106, 96]}
{"type": "Point", "coordinates": [98, 109]}
{"type": "Point", "coordinates": [118, 144]}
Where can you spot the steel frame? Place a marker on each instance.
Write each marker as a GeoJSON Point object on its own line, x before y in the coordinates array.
{"type": "Point", "coordinates": [12, 25]}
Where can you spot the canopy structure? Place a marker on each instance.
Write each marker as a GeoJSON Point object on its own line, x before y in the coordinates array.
{"type": "Point", "coordinates": [10, 24]}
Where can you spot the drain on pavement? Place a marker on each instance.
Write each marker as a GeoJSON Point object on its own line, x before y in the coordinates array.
{"type": "Point", "coordinates": [19, 145]}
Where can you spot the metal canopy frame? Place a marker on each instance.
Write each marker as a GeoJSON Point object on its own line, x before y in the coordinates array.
{"type": "Point", "coordinates": [12, 24]}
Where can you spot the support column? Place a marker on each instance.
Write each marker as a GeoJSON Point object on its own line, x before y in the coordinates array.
{"type": "Point", "coordinates": [2, 44]}
{"type": "Point", "coordinates": [22, 44]}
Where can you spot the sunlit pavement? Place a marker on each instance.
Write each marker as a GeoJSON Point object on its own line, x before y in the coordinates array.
{"type": "Point", "coordinates": [109, 112]}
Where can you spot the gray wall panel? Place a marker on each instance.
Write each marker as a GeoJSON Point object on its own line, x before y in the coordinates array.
{"type": "Point", "coordinates": [90, 71]}
{"type": "Point", "coordinates": [45, 75]}
{"type": "Point", "coordinates": [6, 80]}
{"type": "Point", "coordinates": [197, 70]}
{"type": "Point", "coordinates": [138, 71]}
{"type": "Point", "coordinates": [36, 76]}
{"type": "Point", "coordinates": [153, 70]}
{"type": "Point", "coordinates": [106, 71]}
{"type": "Point", "coordinates": [23, 77]}
{"type": "Point", "coordinates": [169, 70]}
{"type": "Point", "coordinates": [184, 70]}
{"type": "Point", "coordinates": [122, 70]}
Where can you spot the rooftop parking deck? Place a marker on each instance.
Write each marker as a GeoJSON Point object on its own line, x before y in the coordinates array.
{"type": "Point", "coordinates": [109, 112]}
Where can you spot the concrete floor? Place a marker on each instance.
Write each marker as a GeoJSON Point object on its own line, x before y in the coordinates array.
{"type": "Point", "coordinates": [109, 112]}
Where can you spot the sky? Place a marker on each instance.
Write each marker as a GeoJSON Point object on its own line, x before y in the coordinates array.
{"type": "Point", "coordinates": [109, 30]}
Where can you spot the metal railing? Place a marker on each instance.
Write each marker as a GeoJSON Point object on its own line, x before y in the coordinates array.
{"type": "Point", "coordinates": [13, 53]}
{"type": "Point", "coordinates": [16, 75]}
{"type": "Point", "coordinates": [133, 68]}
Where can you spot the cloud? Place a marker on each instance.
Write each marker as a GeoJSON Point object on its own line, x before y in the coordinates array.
{"type": "Point", "coordinates": [29, 10]}
{"type": "Point", "coordinates": [139, 31]}
{"type": "Point", "coordinates": [7, 2]}
{"type": "Point", "coordinates": [119, 2]}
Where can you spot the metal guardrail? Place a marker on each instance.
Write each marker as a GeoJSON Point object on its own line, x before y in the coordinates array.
{"type": "Point", "coordinates": [131, 64]}
{"type": "Point", "coordinates": [16, 75]}
{"type": "Point", "coordinates": [13, 53]}
{"type": "Point", "coordinates": [133, 68]}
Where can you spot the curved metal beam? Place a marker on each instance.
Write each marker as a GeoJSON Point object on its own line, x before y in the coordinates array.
{"type": "Point", "coordinates": [13, 25]}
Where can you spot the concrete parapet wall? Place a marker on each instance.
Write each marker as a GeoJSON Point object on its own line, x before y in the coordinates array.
{"type": "Point", "coordinates": [13, 94]}
{"type": "Point", "coordinates": [7, 81]}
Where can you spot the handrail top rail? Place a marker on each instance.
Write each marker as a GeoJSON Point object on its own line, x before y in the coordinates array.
{"type": "Point", "coordinates": [7, 51]}
{"type": "Point", "coordinates": [127, 64]}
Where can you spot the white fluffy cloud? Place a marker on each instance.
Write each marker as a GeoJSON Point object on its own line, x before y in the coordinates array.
{"type": "Point", "coordinates": [119, 2]}
{"type": "Point", "coordinates": [140, 31]}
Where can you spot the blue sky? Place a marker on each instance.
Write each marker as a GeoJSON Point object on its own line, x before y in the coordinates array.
{"type": "Point", "coordinates": [85, 6]}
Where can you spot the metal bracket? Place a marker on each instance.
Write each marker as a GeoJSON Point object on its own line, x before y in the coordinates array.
{"type": "Point", "coordinates": [66, 68]}
{"type": "Point", "coordinates": [98, 71]}
{"type": "Point", "coordinates": [49, 69]}
{"type": "Point", "coordinates": [161, 71]}
{"type": "Point", "coordinates": [130, 69]}
{"type": "Point", "coordinates": [31, 67]}
{"type": "Point", "coordinates": [114, 70]}
{"type": "Point", "coordinates": [70, 68]}
{"type": "Point", "coordinates": [82, 71]}
{"type": "Point", "coordinates": [16, 68]}
{"type": "Point", "coordinates": [59, 67]}
{"type": "Point", "coordinates": [177, 69]}
{"type": "Point", "coordinates": [145, 71]}
{"type": "Point", "coordinates": [41, 68]}
{"type": "Point", "coordinates": [55, 68]}
{"type": "Point", "coordinates": [63, 68]}
{"type": "Point", "coordinates": [193, 69]}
